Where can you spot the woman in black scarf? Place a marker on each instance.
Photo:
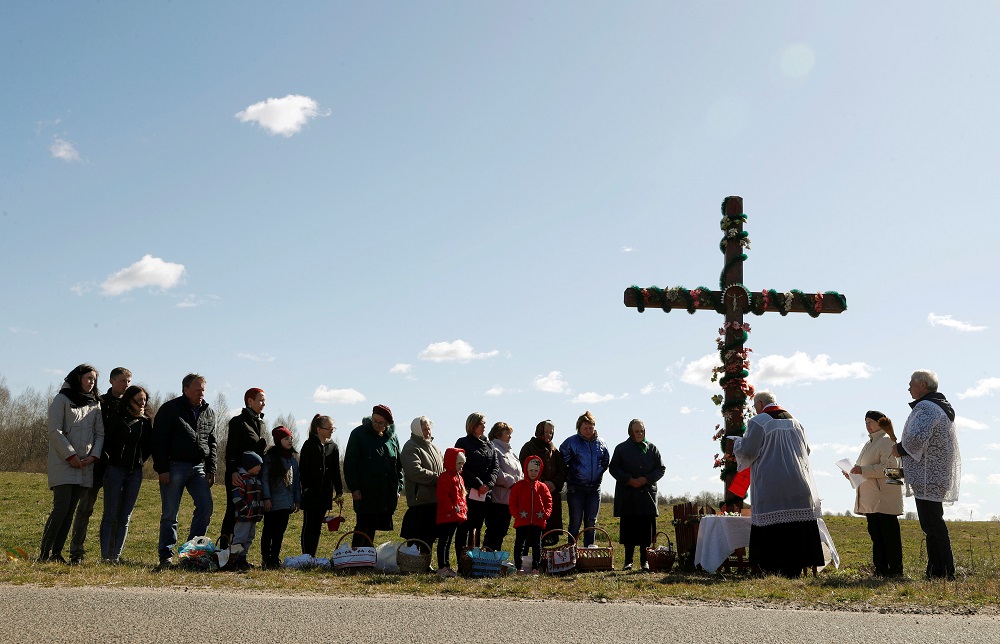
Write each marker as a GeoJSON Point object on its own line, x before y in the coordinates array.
{"type": "Point", "coordinates": [76, 437]}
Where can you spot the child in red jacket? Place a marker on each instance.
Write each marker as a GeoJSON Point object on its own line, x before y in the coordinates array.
{"type": "Point", "coordinates": [452, 508]}
{"type": "Point", "coordinates": [530, 505]}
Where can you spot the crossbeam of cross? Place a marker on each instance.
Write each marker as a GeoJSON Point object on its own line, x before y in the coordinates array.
{"type": "Point", "coordinates": [734, 300]}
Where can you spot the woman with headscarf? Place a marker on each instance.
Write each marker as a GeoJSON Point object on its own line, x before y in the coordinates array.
{"type": "Point", "coordinates": [636, 467]}
{"type": "Point", "coordinates": [374, 474]}
{"type": "Point", "coordinates": [76, 438]}
{"type": "Point", "coordinates": [422, 465]}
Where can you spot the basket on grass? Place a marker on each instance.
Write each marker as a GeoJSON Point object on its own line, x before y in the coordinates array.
{"type": "Point", "coordinates": [483, 562]}
{"type": "Point", "coordinates": [595, 559]}
{"type": "Point", "coordinates": [345, 556]}
{"type": "Point", "coordinates": [559, 558]}
{"type": "Point", "coordinates": [661, 558]}
{"type": "Point", "coordinates": [413, 563]}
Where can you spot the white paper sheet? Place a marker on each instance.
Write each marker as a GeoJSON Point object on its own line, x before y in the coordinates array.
{"type": "Point", "coordinates": [846, 465]}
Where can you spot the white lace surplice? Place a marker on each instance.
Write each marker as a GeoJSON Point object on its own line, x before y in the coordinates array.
{"type": "Point", "coordinates": [781, 485]}
{"type": "Point", "coordinates": [932, 470]}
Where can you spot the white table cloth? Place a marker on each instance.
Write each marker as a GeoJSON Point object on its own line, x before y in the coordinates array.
{"type": "Point", "coordinates": [719, 536]}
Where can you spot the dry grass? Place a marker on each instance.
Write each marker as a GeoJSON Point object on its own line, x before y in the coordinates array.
{"type": "Point", "coordinates": [25, 502]}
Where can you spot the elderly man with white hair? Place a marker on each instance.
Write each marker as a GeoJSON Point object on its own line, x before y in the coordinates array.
{"type": "Point", "coordinates": [784, 533]}
{"type": "Point", "coordinates": [932, 467]}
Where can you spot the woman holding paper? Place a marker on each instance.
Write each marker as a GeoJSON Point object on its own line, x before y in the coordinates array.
{"type": "Point", "coordinates": [880, 502]}
{"type": "Point", "coordinates": [479, 474]}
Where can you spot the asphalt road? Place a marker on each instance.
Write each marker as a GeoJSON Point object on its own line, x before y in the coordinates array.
{"type": "Point", "coordinates": [32, 614]}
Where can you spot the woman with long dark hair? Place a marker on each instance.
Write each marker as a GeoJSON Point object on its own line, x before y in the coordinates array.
{"type": "Point", "coordinates": [128, 443]}
{"type": "Point", "coordinates": [76, 438]}
{"type": "Point", "coordinates": [319, 473]}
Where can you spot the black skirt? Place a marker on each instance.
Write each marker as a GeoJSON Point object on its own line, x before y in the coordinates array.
{"type": "Point", "coordinates": [786, 548]}
{"type": "Point", "coordinates": [636, 530]}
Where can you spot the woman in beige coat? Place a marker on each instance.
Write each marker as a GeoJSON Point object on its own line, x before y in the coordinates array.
{"type": "Point", "coordinates": [76, 438]}
{"type": "Point", "coordinates": [880, 502]}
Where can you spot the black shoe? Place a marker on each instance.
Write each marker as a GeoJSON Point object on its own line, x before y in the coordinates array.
{"type": "Point", "coordinates": [627, 566]}
{"type": "Point", "coordinates": [57, 559]}
{"type": "Point", "coordinates": [76, 560]}
{"type": "Point", "coordinates": [165, 563]}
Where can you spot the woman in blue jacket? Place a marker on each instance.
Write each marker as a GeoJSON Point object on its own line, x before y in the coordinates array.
{"type": "Point", "coordinates": [587, 458]}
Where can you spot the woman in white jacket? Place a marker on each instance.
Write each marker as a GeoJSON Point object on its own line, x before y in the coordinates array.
{"type": "Point", "coordinates": [76, 438]}
{"type": "Point", "coordinates": [880, 502]}
{"type": "Point", "coordinates": [498, 510]}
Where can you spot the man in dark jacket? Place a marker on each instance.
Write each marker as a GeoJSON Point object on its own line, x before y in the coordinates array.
{"type": "Point", "coordinates": [554, 473]}
{"type": "Point", "coordinates": [184, 452]}
{"type": "Point", "coordinates": [246, 434]}
{"type": "Point", "coordinates": [120, 379]}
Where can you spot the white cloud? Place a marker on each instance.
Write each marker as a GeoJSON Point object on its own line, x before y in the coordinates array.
{"type": "Point", "coordinates": [626, 249]}
{"type": "Point", "coordinates": [687, 410]}
{"type": "Point", "coordinates": [62, 149]}
{"type": "Point", "coordinates": [285, 116]}
{"type": "Point", "coordinates": [836, 448]}
{"type": "Point", "coordinates": [821, 473]}
{"type": "Point", "coordinates": [457, 351]}
{"type": "Point", "coordinates": [55, 372]}
{"type": "Point", "coordinates": [263, 357]}
{"type": "Point", "coordinates": [495, 391]}
{"type": "Point", "coordinates": [552, 383]}
{"type": "Point", "coordinates": [337, 396]}
{"type": "Point", "coordinates": [951, 323]}
{"type": "Point", "coordinates": [148, 271]}
{"type": "Point", "coordinates": [699, 372]}
{"type": "Point", "coordinates": [994, 479]}
{"type": "Point", "coordinates": [985, 387]}
{"type": "Point", "coordinates": [992, 445]}
{"type": "Point", "coordinates": [401, 368]}
{"type": "Point", "coordinates": [592, 398]}
{"type": "Point", "coordinates": [653, 388]}
{"type": "Point", "coordinates": [82, 288]}
{"type": "Point", "coordinates": [191, 300]}
{"type": "Point", "coordinates": [16, 330]}
{"type": "Point", "coordinates": [968, 478]}
{"type": "Point", "coordinates": [967, 423]}
{"type": "Point", "coordinates": [978, 458]}
{"type": "Point", "coordinates": [779, 370]}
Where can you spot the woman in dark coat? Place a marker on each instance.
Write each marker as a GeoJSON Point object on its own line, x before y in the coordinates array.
{"type": "Point", "coordinates": [479, 475]}
{"type": "Point", "coordinates": [636, 467]}
{"type": "Point", "coordinates": [319, 474]}
{"type": "Point", "coordinates": [128, 442]}
{"type": "Point", "coordinates": [373, 473]}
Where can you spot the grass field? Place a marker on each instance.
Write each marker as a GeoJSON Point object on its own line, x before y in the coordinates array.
{"type": "Point", "coordinates": [25, 501]}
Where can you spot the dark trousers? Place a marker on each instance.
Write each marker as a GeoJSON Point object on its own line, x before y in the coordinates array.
{"type": "Point", "coordinates": [64, 501]}
{"type": "Point", "coordinates": [468, 533]}
{"type": "Point", "coordinates": [85, 509]}
{"type": "Point", "coordinates": [229, 518]}
{"type": "Point", "coordinates": [271, 536]}
{"type": "Point", "coordinates": [887, 546]}
{"type": "Point", "coordinates": [445, 533]}
{"type": "Point", "coordinates": [368, 524]}
{"type": "Point", "coordinates": [312, 523]}
{"type": "Point", "coordinates": [497, 525]}
{"type": "Point", "coordinates": [525, 537]}
{"type": "Point", "coordinates": [940, 560]}
{"type": "Point", "coordinates": [420, 522]}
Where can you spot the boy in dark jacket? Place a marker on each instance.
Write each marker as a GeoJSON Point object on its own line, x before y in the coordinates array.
{"type": "Point", "coordinates": [248, 504]}
{"type": "Point", "coordinates": [530, 505]}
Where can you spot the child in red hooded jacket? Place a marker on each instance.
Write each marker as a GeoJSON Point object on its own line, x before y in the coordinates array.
{"type": "Point", "coordinates": [452, 508]}
{"type": "Point", "coordinates": [530, 505]}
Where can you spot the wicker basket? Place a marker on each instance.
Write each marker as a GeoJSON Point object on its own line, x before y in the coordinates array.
{"type": "Point", "coordinates": [595, 559]}
{"type": "Point", "coordinates": [350, 557]}
{"type": "Point", "coordinates": [559, 559]}
{"type": "Point", "coordinates": [409, 563]}
{"type": "Point", "coordinates": [661, 559]}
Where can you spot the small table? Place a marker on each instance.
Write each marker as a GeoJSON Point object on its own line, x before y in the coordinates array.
{"type": "Point", "coordinates": [719, 536]}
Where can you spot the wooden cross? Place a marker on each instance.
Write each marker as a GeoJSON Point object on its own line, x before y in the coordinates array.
{"type": "Point", "coordinates": [733, 300]}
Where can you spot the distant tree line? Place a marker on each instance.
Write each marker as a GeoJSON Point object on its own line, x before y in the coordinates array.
{"type": "Point", "coordinates": [24, 443]}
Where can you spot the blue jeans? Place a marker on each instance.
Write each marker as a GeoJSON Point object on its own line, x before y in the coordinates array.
{"type": "Point", "coordinates": [190, 476]}
{"type": "Point", "coordinates": [583, 506]}
{"type": "Point", "coordinates": [121, 489]}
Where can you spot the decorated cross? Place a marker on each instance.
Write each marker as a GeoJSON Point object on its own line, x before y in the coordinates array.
{"type": "Point", "coordinates": [733, 300]}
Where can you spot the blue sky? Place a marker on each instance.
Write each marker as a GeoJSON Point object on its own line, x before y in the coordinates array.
{"type": "Point", "coordinates": [437, 206]}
